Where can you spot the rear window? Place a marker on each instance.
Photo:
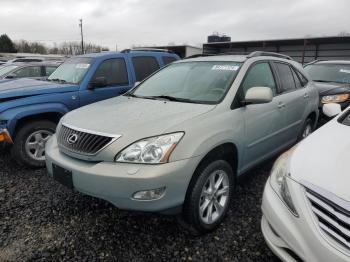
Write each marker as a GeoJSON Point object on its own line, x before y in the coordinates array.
{"type": "Point", "coordinates": [168, 59]}
{"type": "Point", "coordinates": [144, 66]}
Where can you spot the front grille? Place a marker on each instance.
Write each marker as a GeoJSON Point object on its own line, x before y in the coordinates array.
{"type": "Point", "coordinates": [333, 215]}
{"type": "Point", "coordinates": [82, 142]}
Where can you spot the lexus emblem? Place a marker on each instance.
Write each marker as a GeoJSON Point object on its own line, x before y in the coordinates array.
{"type": "Point", "coordinates": [72, 139]}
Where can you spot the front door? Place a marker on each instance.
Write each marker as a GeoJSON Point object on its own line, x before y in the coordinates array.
{"type": "Point", "coordinates": [116, 74]}
{"type": "Point", "coordinates": [264, 123]}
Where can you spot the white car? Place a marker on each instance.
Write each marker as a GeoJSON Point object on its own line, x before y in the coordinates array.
{"type": "Point", "coordinates": [306, 202]}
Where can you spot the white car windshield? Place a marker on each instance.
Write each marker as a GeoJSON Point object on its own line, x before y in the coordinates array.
{"type": "Point", "coordinates": [193, 82]}
{"type": "Point", "coordinates": [71, 71]}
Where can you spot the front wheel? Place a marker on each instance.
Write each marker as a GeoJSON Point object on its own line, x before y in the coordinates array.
{"type": "Point", "coordinates": [29, 144]}
{"type": "Point", "coordinates": [209, 196]}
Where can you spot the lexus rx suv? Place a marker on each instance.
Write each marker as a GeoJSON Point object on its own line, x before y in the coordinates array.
{"type": "Point", "coordinates": [178, 141]}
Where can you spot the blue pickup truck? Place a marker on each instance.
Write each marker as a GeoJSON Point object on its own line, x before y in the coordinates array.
{"type": "Point", "coordinates": [30, 109]}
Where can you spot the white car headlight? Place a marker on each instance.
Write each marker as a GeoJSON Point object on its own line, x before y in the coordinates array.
{"type": "Point", "coordinates": [280, 177]}
{"type": "Point", "coordinates": [153, 150]}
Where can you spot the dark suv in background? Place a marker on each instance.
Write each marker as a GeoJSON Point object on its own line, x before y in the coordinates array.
{"type": "Point", "coordinates": [332, 79]}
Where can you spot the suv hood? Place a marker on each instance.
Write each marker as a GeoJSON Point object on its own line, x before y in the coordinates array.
{"type": "Point", "coordinates": [323, 159]}
{"type": "Point", "coordinates": [28, 87]}
{"type": "Point", "coordinates": [136, 118]}
{"type": "Point", "coordinates": [332, 88]}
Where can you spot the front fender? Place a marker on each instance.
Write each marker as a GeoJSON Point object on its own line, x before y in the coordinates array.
{"type": "Point", "coordinates": [13, 115]}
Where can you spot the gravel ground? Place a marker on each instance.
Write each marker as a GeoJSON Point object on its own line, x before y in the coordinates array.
{"type": "Point", "coordinates": [43, 221]}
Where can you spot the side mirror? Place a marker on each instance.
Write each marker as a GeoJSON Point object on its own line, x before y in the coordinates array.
{"type": "Point", "coordinates": [258, 95]}
{"type": "Point", "coordinates": [331, 109]}
{"type": "Point", "coordinates": [98, 82]}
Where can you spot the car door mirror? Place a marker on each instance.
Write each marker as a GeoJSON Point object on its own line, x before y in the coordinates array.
{"type": "Point", "coordinates": [258, 95]}
{"type": "Point", "coordinates": [331, 109]}
{"type": "Point", "coordinates": [97, 82]}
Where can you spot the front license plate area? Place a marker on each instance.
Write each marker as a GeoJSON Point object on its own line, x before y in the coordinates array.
{"type": "Point", "coordinates": [62, 176]}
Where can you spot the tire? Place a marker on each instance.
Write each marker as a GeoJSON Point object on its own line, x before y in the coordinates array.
{"type": "Point", "coordinates": [307, 129]}
{"type": "Point", "coordinates": [29, 140]}
{"type": "Point", "coordinates": [199, 222]}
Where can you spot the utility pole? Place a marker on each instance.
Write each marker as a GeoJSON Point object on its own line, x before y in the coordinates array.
{"type": "Point", "coordinates": [82, 37]}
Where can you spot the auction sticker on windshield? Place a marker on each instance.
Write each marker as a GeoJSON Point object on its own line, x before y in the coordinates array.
{"type": "Point", "coordinates": [225, 67]}
{"type": "Point", "coordinates": [344, 71]}
{"type": "Point", "coordinates": [82, 66]}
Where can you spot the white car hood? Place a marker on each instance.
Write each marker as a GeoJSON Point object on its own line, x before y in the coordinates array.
{"type": "Point", "coordinates": [323, 159]}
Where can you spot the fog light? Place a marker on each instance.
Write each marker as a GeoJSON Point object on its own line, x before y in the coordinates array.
{"type": "Point", "coordinates": [152, 194]}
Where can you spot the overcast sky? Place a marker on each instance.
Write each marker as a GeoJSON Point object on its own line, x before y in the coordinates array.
{"type": "Point", "coordinates": [159, 22]}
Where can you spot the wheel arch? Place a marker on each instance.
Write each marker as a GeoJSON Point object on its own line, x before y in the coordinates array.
{"type": "Point", "coordinates": [227, 151]}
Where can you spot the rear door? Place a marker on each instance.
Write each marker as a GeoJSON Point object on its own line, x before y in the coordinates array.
{"type": "Point", "coordinates": [294, 98]}
{"type": "Point", "coordinates": [264, 123]}
{"type": "Point", "coordinates": [144, 66]}
{"type": "Point", "coordinates": [116, 74]}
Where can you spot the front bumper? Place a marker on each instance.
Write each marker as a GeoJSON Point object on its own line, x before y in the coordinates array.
{"type": "Point", "coordinates": [295, 238]}
{"type": "Point", "coordinates": [5, 136]}
{"type": "Point", "coordinates": [117, 182]}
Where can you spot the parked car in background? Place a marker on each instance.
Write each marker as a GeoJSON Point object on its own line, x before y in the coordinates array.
{"type": "Point", "coordinates": [179, 140]}
{"type": "Point", "coordinates": [306, 203]}
{"type": "Point", "coordinates": [332, 79]}
{"type": "Point", "coordinates": [26, 70]}
{"type": "Point", "coordinates": [30, 109]}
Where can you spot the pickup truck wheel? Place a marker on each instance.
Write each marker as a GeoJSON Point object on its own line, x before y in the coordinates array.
{"type": "Point", "coordinates": [29, 144]}
{"type": "Point", "coordinates": [208, 198]}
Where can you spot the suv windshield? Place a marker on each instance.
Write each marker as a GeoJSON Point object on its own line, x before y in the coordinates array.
{"type": "Point", "coordinates": [6, 69]}
{"type": "Point", "coordinates": [71, 71]}
{"type": "Point", "coordinates": [339, 73]}
{"type": "Point", "coordinates": [193, 82]}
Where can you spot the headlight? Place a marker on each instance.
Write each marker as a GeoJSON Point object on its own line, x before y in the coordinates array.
{"type": "Point", "coordinates": [152, 150]}
{"type": "Point", "coordinates": [334, 98]}
{"type": "Point", "coordinates": [279, 180]}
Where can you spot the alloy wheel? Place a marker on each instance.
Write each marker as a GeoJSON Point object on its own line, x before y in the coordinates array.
{"type": "Point", "coordinates": [214, 197]}
{"type": "Point", "coordinates": [35, 144]}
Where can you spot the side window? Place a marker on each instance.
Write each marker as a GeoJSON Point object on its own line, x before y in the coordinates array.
{"type": "Point", "coordinates": [114, 70]}
{"type": "Point", "coordinates": [49, 70]}
{"type": "Point", "coordinates": [302, 78]}
{"type": "Point", "coordinates": [286, 77]}
{"type": "Point", "coordinates": [259, 75]}
{"type": "Point", "coordinates": [144, 66]}
{"type": "Point", "coordinates": [297, 81]}
{"type": "Point", "coordinates": [30, 71]}
{"type": "Point", "coordinates": [168, 59]}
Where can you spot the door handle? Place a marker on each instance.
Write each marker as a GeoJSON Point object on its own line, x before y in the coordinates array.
{"type": "Point", "coordinates": [306, 95]}
{"type": "Point", "coordinates": [280, 105]}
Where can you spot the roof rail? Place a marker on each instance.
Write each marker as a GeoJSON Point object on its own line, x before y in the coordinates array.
{"type": "Point", "coordinates": [262, 53]}
{"type": "Point", "coordinates": [198, 55]}
{"type": "Point", "coordinates": [147, 50]}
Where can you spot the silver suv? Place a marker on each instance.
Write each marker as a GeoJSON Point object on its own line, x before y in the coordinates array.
{"type": "Point", "coordinates": [178, 141]}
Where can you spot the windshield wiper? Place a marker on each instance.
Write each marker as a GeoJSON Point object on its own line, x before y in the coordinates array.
{"type": "Point", "coordinates": [172, 98]}
{"type": "Point", "coordinates": [327, 81]}
{"type": "Point", "coordinates": [57, 80]}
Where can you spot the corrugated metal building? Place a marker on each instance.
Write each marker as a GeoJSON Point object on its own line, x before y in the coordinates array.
{"type": "Point", "coordinates": [303, 50]}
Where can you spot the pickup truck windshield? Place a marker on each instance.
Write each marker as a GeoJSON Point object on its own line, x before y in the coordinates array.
{"type": "Point", "coordinates": [6, 69]}
{"type": "Point", "coordinates": [338, 73]}
{"type": "Point", "coordinates": [191, 82]}
{"type": "Point", "coordinates": [71, 71]}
